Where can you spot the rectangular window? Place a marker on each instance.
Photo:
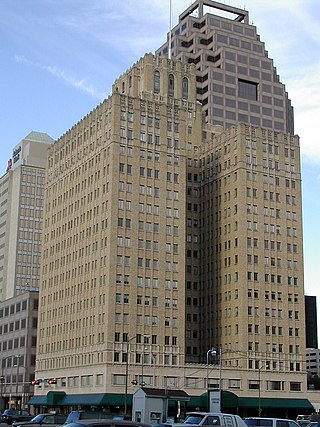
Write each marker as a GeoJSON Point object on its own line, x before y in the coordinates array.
{"type": "Point", "coordinates": [248, 90]}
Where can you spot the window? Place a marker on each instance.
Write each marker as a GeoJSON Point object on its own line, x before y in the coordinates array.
{"type": "Point", "coordinates": [234, 383]}
{"type": "Point", "coordinates": [185, 88]}
{"type": "Point", "coordinates": [295, 386]}
{"type": "Point", "coordinates": [170, 85]}
{"type": "Point", "coordinates": [248, 90]}
{"type": "Point", "coordinates": [156, 81]}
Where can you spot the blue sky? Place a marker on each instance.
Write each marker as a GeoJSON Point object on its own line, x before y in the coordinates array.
{"type": "Point", "coordinates": [59, 59]}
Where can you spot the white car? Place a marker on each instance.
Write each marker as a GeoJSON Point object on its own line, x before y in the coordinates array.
{"type": "Point", "coordinates": [270, 422]}
{"type": "Point", "coordinates": [209, 419]}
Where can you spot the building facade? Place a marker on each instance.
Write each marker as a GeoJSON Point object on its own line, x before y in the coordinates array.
{"type": "Point", "coordinates": [21, 208]}
{"type": "Point", "coordinates": [114, 235]}
{"type": "Point", "coordinates": [311, 321]}
{"type": "Point", "coordinates": [169, 242]}
{"type": "Point", "coordinates": [237, 82]}
{"type": "Point", "coordinates": [18, 342]}
{"type": "Point", "coordinates": [313, 361]}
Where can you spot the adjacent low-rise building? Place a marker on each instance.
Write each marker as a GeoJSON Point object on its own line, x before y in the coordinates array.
{"type": "Point", "coordinates": [18, 342]}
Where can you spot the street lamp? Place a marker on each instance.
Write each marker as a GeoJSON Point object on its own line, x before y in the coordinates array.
{"type": "Point", "coordinates": [259, 408]}
{"type": "Point", "coordinates": [126, 379]}
{"type": "Point", "coordinates": [220, 377]}
{"type": "Point", "coordinates": [17, 382]}
{"type": "Point", "coordinates": [214, 352]}
{"type": "Point", "coordinates": [3, 363]}
{"type": "Point", "coordinates": [142, 382]}
{"type": "Point", "coordinates": [210, 352]}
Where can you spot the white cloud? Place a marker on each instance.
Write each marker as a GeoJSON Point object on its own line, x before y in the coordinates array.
{"type": "Point", "coordinates": [82, 84]}
{"type": "Point", "coordinates": [114, 37]}
{"type": "Point", "coordinates": [304, 91]}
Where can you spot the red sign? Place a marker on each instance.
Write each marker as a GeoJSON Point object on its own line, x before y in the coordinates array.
{"type": "Point", "coordinates": [9, 165]}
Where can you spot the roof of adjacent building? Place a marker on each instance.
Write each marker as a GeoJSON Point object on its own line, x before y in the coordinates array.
{"type": "Point", "coordinates": [170, 393]}
{"type": "Point", "coordinates": [39, 137]}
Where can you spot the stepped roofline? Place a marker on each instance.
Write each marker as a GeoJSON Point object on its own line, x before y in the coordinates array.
{"type": "Point", "coordinates": [240, 14]}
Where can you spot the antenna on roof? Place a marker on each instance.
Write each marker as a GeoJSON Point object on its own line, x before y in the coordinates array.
{"type": "Point", "coordinates": [170, 26]}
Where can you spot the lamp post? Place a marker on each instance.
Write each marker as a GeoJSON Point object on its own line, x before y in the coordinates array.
{"type": "Point", "coordinates": [259, 397]}
{"type": "Point", "coordinates": [220, 378]}
{"type": "Point", "coordinates": [214, 352]}
{"type": "Point", "coordinates": [17, 382]}
{"type": "Point", "coordinates": [210, 352]}
{"type": "Point", "coordinates": [142, 383]}
{"type": "Point", "coordinates": [126, 379]}
{"type": "Point", "coordinates": [3, 362]}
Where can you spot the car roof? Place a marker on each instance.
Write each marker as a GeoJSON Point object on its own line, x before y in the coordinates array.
{"type": "Point", "coordinates": [207, 413]}
{"type": "Point", "coordinates": [48, 413]}
{"type": "Point", "coordinates": [269, 418]}
{"type": "Point", "coordinates": [97, 422]}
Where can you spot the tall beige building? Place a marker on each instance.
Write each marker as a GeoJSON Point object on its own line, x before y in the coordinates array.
{"type": "Point", "coordinates": [114, 236]}
{"type": "Point", "coordinates": [21, 209]}
{"type": "Point", "coordinates": [251, 266]}
{"type": "Point", "coordinates": [237, 82]}
{"type": "Point", "coordinates": [165, 237]}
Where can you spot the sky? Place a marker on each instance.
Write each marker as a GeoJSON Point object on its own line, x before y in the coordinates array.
{"type": "Point", "coordinates": [59, 59]}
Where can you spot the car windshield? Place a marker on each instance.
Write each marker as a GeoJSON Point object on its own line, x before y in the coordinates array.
{"type": "Point", "coordinates": [193, 419]}
{"type": "Point", "coordinates": [258, 422]}
{"type": "Point", "coordinates": [10, 411]}
{"type": "Point", "coordinates": [37, 418]}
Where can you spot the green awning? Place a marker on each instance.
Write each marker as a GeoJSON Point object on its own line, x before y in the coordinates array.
{"type": "Point", "coordinates": [95, 399]}
{"type": "Point", "coordinates": [231, 400]}
{"type": "Point", "coordinates": [269, 402]}
{"type": "Point", "coordinates": [198, 401]}
{"type": "Point", "coordinates": [38, 400]}
{"type": "Point", "coordinates": [54, 397]}
{"type": "Point", "coordinates": [115, 399]}
{"type": "Point", "coordinates": [60, 398]}
{"type": "Point", "coordinates": [82, 399]}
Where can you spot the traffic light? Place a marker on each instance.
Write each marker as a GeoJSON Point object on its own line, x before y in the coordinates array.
{"type": "Point", "coordinates": [35, 382]}
{"type": "Point", "coordinates": [2, 379]}
{"type": "Point", "coordinates": [134, 382]}
{"type": "Point", "coordinates": [52, 381]}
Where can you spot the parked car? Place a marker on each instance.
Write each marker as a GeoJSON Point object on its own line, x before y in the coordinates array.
{"type": "Point", "coordinates": [108, 422]}
{"type": "Point", "coordinates": [11, 415]}
{"type": "Point", "coordinates": [303, 423]}
{"type": "Point", "coordinates": [43, 419]}
{"type": "Point", "coordinates": [93, 415]}
{"type": "Point", "coordinates": [270, 422]}
{"type": "Point", "coordinates": [208, 418]}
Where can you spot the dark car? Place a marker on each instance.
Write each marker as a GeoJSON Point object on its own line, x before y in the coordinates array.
{"type": "Point", "coordinates": [11, 415]}
{"type": "Point", "coordinates": [305, 423]}
{"type": "Point", "coordinates": [107, 423]}
{"type": "Point", "coordinates": [43, 419]}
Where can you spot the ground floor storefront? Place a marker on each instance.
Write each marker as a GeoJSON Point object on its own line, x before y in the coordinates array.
{"type": "Point", "coordinates": [119, 403]}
